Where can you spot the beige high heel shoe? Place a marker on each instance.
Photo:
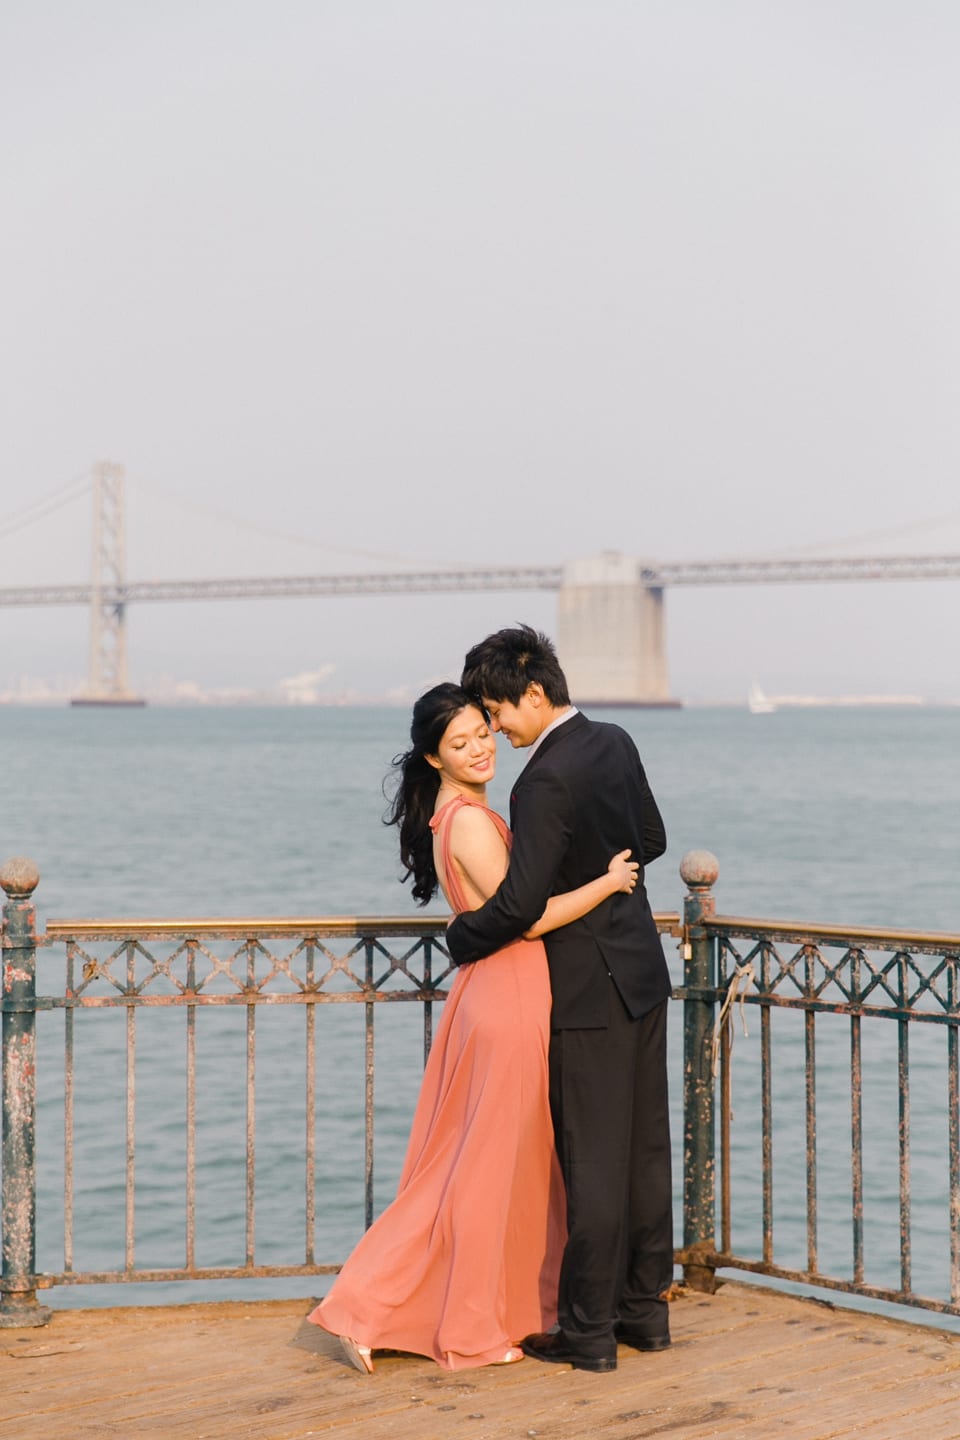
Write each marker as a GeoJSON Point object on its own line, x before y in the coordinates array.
{"type": "Point", "coordinates": [512, 1356]}
{"type": "Point", "coordinates": [360, 1356]}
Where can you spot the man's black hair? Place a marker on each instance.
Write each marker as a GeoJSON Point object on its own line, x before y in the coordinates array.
{"type": "Point", "coordinates": [502, 666]}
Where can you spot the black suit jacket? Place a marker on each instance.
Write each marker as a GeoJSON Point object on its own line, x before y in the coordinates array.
{"type": "Point", "coordinates": [582, 796]}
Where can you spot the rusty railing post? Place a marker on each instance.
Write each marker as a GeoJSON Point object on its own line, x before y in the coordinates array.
{"type": "Point", "coordinates": [18, 1300]}
{"type": "Point", "coordinates": [699, 870]}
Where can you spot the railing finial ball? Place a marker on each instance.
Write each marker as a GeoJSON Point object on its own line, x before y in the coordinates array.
{"type": "Point", "coordinates": [699, 869]}
{"type": "Point", "coordinates": [19, 877]}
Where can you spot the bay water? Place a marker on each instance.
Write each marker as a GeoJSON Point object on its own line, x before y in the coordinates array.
{"type": "Point", "coordinates": [846, 815]}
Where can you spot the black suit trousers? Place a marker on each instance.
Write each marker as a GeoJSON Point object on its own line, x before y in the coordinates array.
{"type": "Point", "coordinates": [608, 1097]}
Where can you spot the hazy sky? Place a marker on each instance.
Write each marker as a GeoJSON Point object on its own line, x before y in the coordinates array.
{"type": "Point", "coordinates": [357, 285]}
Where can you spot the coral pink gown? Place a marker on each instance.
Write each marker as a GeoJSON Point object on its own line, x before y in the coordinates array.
{"type": "Point", "coordinates": [466, 1259]}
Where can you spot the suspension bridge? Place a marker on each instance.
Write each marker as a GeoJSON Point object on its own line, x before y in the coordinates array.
{"type": "Point", "coordinates": [610, 624]}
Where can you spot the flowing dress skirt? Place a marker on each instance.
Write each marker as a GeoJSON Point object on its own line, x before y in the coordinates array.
{"type": "Point", "coordinates": [466, 1259]}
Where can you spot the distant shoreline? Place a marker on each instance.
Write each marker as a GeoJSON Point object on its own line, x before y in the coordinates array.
{"type": "Point", "coordinates": [380, 702]}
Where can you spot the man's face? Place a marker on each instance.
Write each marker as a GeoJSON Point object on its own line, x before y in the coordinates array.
{"type": "Point", "coordinates": [522, 723]}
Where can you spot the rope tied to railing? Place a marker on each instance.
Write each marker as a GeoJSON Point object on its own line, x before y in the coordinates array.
{"type": "Point", "coordinates": [740, 981]}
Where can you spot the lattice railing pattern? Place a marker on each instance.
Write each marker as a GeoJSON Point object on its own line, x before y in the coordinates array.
{"type": "Point", "coordinates": [195, 970]}
{"type": "Point", "coordinates": [858, 980]}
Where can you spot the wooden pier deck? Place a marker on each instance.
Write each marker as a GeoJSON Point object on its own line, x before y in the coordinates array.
{"type": "Point", "coordinates": [746, 1364]}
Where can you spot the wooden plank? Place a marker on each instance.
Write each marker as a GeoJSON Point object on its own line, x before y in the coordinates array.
{"type": "Point", "coordinates": [747, 1364]}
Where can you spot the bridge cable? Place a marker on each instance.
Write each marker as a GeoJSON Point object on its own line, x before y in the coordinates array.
{"type": "Point", "coordinates": [892, 533]}
{"type": "Point", "coordinates": [20, 519]}
{"type": "Point", "coordinates": [257, 528]}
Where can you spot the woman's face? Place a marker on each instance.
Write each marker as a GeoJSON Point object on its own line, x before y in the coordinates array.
{"type": "Point", "coordinates": [467, 753]}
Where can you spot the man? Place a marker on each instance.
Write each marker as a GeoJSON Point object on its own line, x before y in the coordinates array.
{"type": "Point", "coordinates": [582, 797]}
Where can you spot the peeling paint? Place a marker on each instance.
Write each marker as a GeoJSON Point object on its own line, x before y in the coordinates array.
{"type": "Point", "coordinates": [18, 1304]}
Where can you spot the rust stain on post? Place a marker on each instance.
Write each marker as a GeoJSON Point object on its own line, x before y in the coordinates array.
{"type": "Point", "coordinates": [18, 1302]}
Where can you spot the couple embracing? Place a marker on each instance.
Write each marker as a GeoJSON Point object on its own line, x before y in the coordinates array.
{"type": "Point", "coordinates": [534, 1211]}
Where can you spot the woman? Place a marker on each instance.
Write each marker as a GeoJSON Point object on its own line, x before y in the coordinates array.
{"type": "Point", "coordinates": [465, 1261]}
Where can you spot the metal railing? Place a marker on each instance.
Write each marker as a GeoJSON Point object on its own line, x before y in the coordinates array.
{"type": "Point", "coordinates": [197, 966]}
{"type": "Point", "coordinates": [907, 979]}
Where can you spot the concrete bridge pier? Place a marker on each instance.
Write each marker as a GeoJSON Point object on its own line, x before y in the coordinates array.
{"type": "Point", "coordinates": [610, 636]}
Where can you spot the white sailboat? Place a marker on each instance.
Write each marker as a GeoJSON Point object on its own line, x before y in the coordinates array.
{"type": "Point", "coordinates": [758, 703]}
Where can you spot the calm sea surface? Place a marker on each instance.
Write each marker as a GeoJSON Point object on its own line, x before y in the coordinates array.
{"type": "Point", "coordinates": [830, 815]}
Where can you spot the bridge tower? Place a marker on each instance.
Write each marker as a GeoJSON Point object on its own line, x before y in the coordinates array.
{"type": "Point", "coordinates": [610, 633]}
{"type": "Point", "coordinates": [107, 681]}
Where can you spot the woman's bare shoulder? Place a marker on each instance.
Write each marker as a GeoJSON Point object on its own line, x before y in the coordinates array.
{"type": "Point", "coordinates": [472, 825]}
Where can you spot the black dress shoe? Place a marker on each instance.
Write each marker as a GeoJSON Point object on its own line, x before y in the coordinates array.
{"type": "Point", "coordinates": [639, 1341]}
{"type": "Point", "coordinates": [558, 1350]}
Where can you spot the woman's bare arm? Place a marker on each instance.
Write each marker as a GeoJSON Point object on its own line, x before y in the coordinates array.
{"type": "Point", "coordinates": [574, 904]}
{"type": "Point", "coordinates": [482, 857]}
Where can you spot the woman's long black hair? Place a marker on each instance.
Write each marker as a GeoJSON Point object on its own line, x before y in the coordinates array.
{"type": "Point", "coordinates": [418, 782]}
